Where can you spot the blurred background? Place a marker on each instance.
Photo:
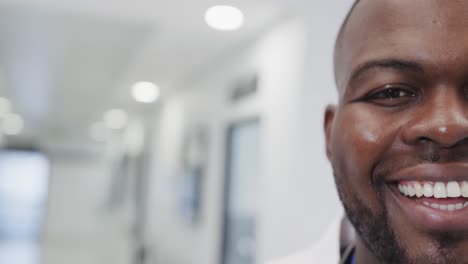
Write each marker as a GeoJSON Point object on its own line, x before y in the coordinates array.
{"type": "Point", "coordinates": [164, 131]}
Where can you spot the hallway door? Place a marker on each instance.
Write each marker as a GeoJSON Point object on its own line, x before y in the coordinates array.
{"type": "Point", "coordinates": [241, 193]}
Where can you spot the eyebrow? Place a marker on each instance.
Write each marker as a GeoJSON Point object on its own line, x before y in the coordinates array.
{"type": "Point", "coordinates": [395, 64]}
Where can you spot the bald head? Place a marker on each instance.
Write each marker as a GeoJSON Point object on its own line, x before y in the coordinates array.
{"type": "Point", "coordinates": [343, 25]}
{"type": "Point", "coordinates": [339, 39]}
{"type": "Point", "coordinates": [381, 26]}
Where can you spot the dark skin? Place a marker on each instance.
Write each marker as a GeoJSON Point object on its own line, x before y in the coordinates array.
{"type": "Point", "coordinates": [402, 76]}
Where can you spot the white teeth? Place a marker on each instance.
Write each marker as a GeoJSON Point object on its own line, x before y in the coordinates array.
{"type": "Point", "coordinates": [419, 189]}
{"type": "Point", "coordinates": [411, 190]}
{"type": "Point", "coordinates": [449, 207]}
{"type": "Point", "coordinates": [464, 189]}
{"type": "Point", "coordinates": [428, 190]}
{"type": "Point", "coordinates": [453, 189]}
{"type": "Point", "coordinates": [439, 190]}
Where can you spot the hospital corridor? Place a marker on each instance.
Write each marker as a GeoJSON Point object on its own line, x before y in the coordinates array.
{"type": "Point", "coordinates": [165, 131]}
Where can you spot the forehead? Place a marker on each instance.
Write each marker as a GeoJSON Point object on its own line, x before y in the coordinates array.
{"type": "Point", "coordinates": [432, 32]}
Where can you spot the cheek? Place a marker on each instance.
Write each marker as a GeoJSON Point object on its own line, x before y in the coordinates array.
{"type": "Point", "coordinates": [359, 140]}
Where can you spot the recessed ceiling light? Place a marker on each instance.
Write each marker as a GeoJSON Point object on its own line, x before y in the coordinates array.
{"type": "Point", "coordinates": [224, 17]}
{"type": "Point", "coordinates": [145, 92]}
{"type": "Point", "coordinates": [12, 124]}
{"type": "Point", "coordinates": [115, 119]}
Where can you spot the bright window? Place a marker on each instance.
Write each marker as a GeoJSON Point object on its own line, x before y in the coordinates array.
{"type": "Point", "coordinates": [23, 193]}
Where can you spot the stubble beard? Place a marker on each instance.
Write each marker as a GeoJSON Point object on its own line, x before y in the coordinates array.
{"type": "Point", "coordinates": [378, 235]}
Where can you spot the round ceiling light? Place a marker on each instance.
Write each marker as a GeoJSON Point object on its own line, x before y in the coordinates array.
{"type": "Point", "coordinates": [225, 18]}
{"type": "Point", "coordinates": [145, 92]}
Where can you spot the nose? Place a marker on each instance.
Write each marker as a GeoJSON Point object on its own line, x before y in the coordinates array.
{"type": "Point", "coordinates": [442, 120]}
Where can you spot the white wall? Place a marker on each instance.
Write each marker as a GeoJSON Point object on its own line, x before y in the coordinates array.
{"type": "Point", "coordinates": [78, 227]}
{"type": "Point", "coordinates": [296, 189]}
{"type": "Point", "coordinates": [307, 196]}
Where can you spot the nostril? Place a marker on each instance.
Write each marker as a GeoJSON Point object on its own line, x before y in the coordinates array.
{"type": "Point", "coordinates": [424, 139]}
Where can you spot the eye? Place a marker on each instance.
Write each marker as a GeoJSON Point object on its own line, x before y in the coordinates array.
{"type": "Point", "coordinates": [392, 95]}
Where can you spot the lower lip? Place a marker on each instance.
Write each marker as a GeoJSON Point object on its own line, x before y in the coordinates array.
{"type": "Point", "coordinates": [429, 218]}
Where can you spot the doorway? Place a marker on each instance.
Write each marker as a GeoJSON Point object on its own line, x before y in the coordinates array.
{"type": "Point", "coordinates": [240, 202]}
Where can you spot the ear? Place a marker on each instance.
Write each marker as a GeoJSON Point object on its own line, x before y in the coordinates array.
{"type": "Point", "coordinates": [328, 126]}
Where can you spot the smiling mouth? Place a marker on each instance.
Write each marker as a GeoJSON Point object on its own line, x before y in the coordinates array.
{"type": "Point", "coordinates": [444, 196]}
{"type": "Point", "coordinates": [431, 197]}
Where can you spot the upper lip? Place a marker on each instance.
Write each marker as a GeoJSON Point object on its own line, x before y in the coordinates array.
{"type": "Point", "coordinates": [432, 172]}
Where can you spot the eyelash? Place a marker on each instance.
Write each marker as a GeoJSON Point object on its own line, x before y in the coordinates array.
{"type": "Point", "coordinates": [392, 96]}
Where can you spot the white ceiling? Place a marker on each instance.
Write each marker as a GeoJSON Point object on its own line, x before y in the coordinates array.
{"type": "Point", "coordinates": [63, 63]}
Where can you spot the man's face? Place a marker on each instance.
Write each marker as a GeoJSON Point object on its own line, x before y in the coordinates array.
{"type": "Point", "coordinates": [401, 126]}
